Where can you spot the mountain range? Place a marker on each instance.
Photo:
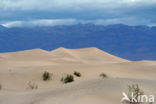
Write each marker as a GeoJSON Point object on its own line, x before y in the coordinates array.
{"type": "Point", "coordinates": [129, 42]}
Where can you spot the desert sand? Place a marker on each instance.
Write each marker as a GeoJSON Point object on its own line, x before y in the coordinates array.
{"type": "Point", "coordinates": [19, 69]}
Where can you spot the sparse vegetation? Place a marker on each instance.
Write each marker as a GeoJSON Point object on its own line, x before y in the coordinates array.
{"type": "Point", "coordinates": [136, 96]}
{"type": "Point", "coordinates": [67, 79]}
{"type": "Point", "coordinates": [134, 88]}
{"type": "Point", "coordinates": [78, 74]}
{"type": "Point", "coordinates": [103, 75]}
{"type": "Point", "coordinates": [46, 76]}
{"type": "Point", "coordinates": [32, 86]}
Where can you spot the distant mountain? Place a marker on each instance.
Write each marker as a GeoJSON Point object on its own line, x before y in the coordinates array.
{"type": "Point", "coordinates": [2, 27]}
{"type": "Point", "coordinates": [130, 42]}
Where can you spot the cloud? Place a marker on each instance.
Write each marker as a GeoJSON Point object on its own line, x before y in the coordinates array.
{"type": "Point", "coordinates": [78, 5]}
{"type": "Point", "coordinates": [127, 21]}
{"type": "Point", "coordinates": [43, 22]}
{"type": "Point", "coordinates": [53, 12]}
{"type": "Point", "coordinates": [151, 25]}
{"type": "Point", "coordinates": [55, 22]}
{"type": "Point", "coordinates": [12, 24]}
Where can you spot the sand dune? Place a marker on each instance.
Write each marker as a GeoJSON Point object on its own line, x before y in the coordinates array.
{"type": "Point", "coordinates": [20, 68]}
{"type": "Point", "coordinates": [88, 55]}
{"type": "Point", "coordinates": [40, 57]}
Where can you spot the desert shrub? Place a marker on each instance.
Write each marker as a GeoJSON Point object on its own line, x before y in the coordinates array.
{"type": "Point", "coordinates": [32, 86]}
{"type": "Point", "coordinates": [67, 79]}
{"type": "Point", "coordinates": [103, 75]}
{"type": "Point", "coordinates": [134, 88]}
{"type": "Point", "coordinates": [135, 96]}
{"type": "Point", "coordinates": [78, 74]}
{"type": "Point", "coordinates": [46, 76]}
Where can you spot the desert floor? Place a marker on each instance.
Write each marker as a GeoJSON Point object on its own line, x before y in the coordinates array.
{"type": "Point", "coordinates": [20, 69]}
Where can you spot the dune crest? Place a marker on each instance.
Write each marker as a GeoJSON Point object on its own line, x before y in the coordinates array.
{"type": "Point", "coordinates": [64, 55]}
{"type": "Point", "coordinates": [89, 55]}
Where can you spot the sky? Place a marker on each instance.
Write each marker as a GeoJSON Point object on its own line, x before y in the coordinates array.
{"type": "Point", "coordinates": [30, 13]}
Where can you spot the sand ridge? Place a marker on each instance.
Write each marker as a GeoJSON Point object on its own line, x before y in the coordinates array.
{"type": "Point", "coordinates": [88, 55]}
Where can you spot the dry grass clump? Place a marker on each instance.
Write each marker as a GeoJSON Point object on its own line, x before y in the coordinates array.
{"type": "Point", "coordinates": [103, 75]}
{"type": "Point", "coordinates": [78, 74]}
{"type": "Point", "coordinates": [67, 79]}
{"type": "Point", "coordinates": [32, 86]}
{"type": "Point", "coordinates": [134, 88]}
{"type": "Point", "coordinates": [46, 76]}
{"type": "Point", "coordinates": [136, 91]}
